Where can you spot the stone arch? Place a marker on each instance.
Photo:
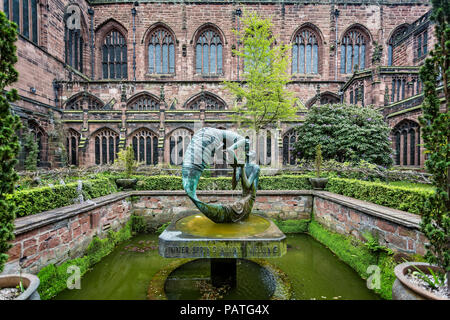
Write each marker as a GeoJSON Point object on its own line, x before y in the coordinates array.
{"type": "Point", "coordinates": [212, 101]}
{"type": "Point", "coordinates": [145, 145]}
{"type": "Point", "coordinates": [103, 30]}
{"type": "Point", "coordinates": [41, 138]}
{"type": "Point", "coordinates": [406, 143]}
{"type": "Point", "coordinates": [143, 101]}
{"type": "Point", "coordinates": [395, 34]}
{"type": "Point", "coordinates": [307, 38]}
{"type": "Point", "coordinates": [177, 141]}
{"type": "Point", "coordinates": [77, 101]}
{"type": "Point", "coordinates": [155, 38]}
{"type": "Point", "coordinates": [326, 97]}
{"type": "Point", "coordinates": [72, 143]}
{"type": "Point", "coordinates": [356, 38]}
{"type": "Point", "coordinates": [75, 40]}
{"type": "Point", "coordinates": [105, 145]}
{"type": "Point", "coordinates": [289, 138]}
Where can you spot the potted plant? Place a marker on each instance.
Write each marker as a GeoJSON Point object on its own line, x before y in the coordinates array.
{"type": "Point", "coordinates": [318, 183]}
{"type": "Point", "coordinates": [24, 286]}
{"type": "Point", "coordinates": [432, 280]}
{"type": "Point", "coordinates": [126, 160]}
{"type": "Point", "coordinates": [19, 287]}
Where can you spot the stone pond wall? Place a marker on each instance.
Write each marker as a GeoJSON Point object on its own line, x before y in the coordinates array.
{"type": "Point", "coordinates": [64, 233]}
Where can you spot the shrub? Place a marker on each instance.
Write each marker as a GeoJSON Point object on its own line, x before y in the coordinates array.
{"type": "Point", "coordinates": [435, 123]}
{"type": "Point", "coordinates": [346, 133]}
{"type": "Point", "coordinates": [9, 125]}
{"type": "Point", "coordinates": [396, 197]}
{"type": "Point", "coordinates": [285, 182]}
{"type": "Point", "coordinates": [36, 200]}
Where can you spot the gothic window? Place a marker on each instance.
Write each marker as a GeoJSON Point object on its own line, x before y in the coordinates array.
{"type": "Point", "coordinates": [398, 89]}
{"type": "Point", "coordinates": [289, 139]}
{"type": "Point", "coordinates": [143, 102]}
{"type": "Point", "coordinates": [41, 140]}
{"type": "Point", "coordinates": [106, 146]}
{"type": "Point", "coordinates": [74, 42]}
{"type": "Point", "coordinates": [396, 35]}
{"type": "Point", "coordinates": [179, 140]}
{"type": "Point", "coordinates": [114, 53]}
{"type": "Point", "coordinates": [78, 101]}
{"type": "Point", "coordinates": [211, 103]}
{"type": "Point", "coordinates": [353, 51]}
{"type": "Point", "coordinates": [25, 14]}
{"type": "Point", "coordinates": [161, 52]}
{"type": "Point", "coordinates": [208, 53]}
{"type": "Point", "coordinates": [265, 148]}
{"type": "Point", "coordinates": [422, 44]}
{"type": "Point", "coordinates": [406, 143]}
{"type": "Point", "coordinates": [145, 146]}
{"type": "Point", "coordinates": [72, 142]}
{"type": "Point", "coordinates": [305, 52]}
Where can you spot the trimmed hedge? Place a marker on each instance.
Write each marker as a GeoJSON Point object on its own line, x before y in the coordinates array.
{"type": "Point", "coordinates": [396, 197]}
{"type": "Point", "coordinates": [285, 182]}
{"type": "Point", "coordinates": [36, 200]}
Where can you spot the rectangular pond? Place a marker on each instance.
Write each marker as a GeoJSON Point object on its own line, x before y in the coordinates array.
{"type": "Point", "coordinates": [312, 269]}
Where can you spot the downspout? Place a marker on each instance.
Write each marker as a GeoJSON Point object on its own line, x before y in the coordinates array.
{"type": "Point", "coordinates": [91, 13]}
{"type": "Point", "coordinates": [134, 12]}
{"type": "Point", "coordinates": [336, 15]}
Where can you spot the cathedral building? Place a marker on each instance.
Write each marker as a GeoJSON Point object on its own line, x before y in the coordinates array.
{"type": "Point", "coordinates": [98, 75]}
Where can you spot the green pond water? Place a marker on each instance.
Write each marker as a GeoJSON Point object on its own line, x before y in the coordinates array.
{"type": "Point", "coordinates": [313, 270]}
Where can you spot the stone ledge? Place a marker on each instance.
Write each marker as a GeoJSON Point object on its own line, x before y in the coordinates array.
{"type": "Point", "coordinates": [29, 223]}
{"type": "Point", "coordinates": [402, 218]}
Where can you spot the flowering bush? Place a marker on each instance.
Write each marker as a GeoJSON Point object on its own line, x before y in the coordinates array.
{"type": "Point", "coordinates": [346, 133]}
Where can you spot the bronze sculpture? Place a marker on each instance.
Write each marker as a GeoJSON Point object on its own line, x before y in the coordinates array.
{"type": "Point", "coordinates": [199, 154]}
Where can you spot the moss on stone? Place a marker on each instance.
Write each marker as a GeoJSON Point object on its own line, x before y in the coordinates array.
{"type": "Point", "coordinates": [54, 278]}
{"type": "Point", "coordinates": [292, 226]}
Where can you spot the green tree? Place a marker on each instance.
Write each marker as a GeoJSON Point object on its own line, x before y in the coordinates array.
{"type": "Point", "coordinates": [436, 136]}
{"type": "Point", "coordinates": [31, 151]}
{"type": "Point", "coordinates": [262, 95]}
{"type": "Point", "coordinates": [346, 133]}
{"type": "Point", "coordinates": [9, 125]}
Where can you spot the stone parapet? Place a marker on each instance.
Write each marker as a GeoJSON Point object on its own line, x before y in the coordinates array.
{"type": "Point", "coordinates": [64, 233]}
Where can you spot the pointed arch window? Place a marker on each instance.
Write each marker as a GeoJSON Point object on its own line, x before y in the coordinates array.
{"type": "Point", "coordinates": [305, 53]}
{"type": "Point", "coordinates": [74, 42]}
{"type": "Point", "coordinates": [396, 35]}
{"type": "Point", "coordinates": [406, 143]}
{"type": "Point", "coordinates": [179, 141]}
{"type": "Point", "coordinates": [211, 103]}
{"type": "Point", "coordinates": [114, 53]}
{"type": "Point", "coordinates": [72, 143]}
{"type": "Point", "coordinates": [106, 146]}
{"type": "Point", "coordinates": [77, 102]}
{"type": "Point", "coordinates": [289, 139]}
{"type": "Point", "coordinates": [353, 51]}
{"type": "Point", "coordinates": [145, 146]}
{"type": "Point", "coordinates": [25, 14]}
{"type": "Point", "coordinates": [209, 53]}
{"type": "Point", "coordinates": [161, 52]}
{"type": "Point", "coordinates": [144, 102]}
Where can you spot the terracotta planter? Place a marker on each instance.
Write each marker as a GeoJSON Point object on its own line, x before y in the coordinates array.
{"type": "Point", "coordinates": [318, 183]}
{"type": "Point", "coordinates": [29, 281]}
{"type": "Point", "coordinates": [403, 289]}
{"type": "Point", "coordinates": [126, 184]}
